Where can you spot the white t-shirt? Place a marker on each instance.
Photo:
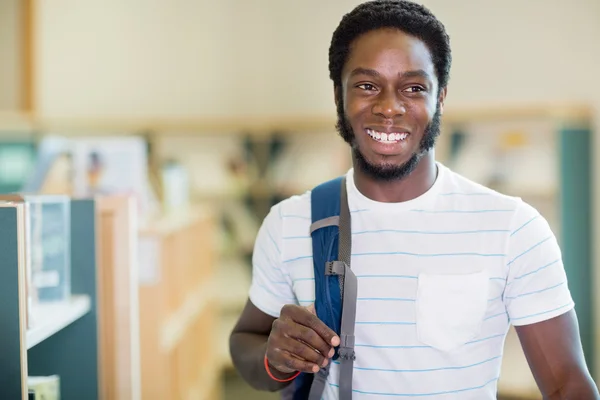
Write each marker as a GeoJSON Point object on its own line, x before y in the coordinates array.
{"type": "Point", "coordinates": [440, 278]}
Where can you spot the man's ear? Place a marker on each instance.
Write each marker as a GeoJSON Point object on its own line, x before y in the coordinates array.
{"type": "Point", "coordinates": [337, 91]}
{"type": "Point", "coordinates": [442, 98]}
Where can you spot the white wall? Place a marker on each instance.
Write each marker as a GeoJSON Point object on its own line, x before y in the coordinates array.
{"type": "Point", "coordinates": [10, 50]}
{"type": "Point", "coordinates": [185, 58]}
{"type": "Point", "coordinates": [535, 50]}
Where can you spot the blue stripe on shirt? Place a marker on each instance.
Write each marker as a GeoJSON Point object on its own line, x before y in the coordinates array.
{"type": "Point", "coordinates": [536, 291]}
{"type": "Point", "coordinates": [533, 272]}
{"type": "Point", "coordinates": [302, 279]}
{"type": "Point", "coordinates": [570, 303]}
{"type": "Point", "coordinates": [383, 299]}
{"type": "Point", "coordinates": [273, 241]}
{"type": "Point", "coordinates": [495, 315]}
{"type": "Point", "coordinates": [530, 249]}
{"type": "Point", "coordinates": [524, 225]}
{"type": "Point", "coordinates": [426, 255]}
{"type": "Point", "coordinates": [266, 272]}
{"type": "Point", "coordinates": [388, 276]}
{"type": "Point", "coordinates": [296, 216]}
{"type": "Point", "coordinates": [418, 394]}
{"type": "Point", "coordinates": [431, 232]}
{"type": "Point", "coordinates": [427, 369]}
{"type": "Point", "coordinates": [391, 347]}
{"type": "Point", "coordinates": [296, 259]}
{"type": "Point", "coordinates": [461, 211]}
{"type": "Point", "coordinates": [266, 289]}
{"type": "Point", "coordinates": [411, 232]}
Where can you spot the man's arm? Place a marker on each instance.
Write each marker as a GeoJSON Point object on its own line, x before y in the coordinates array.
{"type": "Point", "coordinates": [248, 344]}
{"type": "Point", "coordinates": [541, 308]}
{"type": "Point", "coordinates": [267, 296]}
{"type": "Point", "coordinates": [297, 341]}
{"type": "Point", "coordinates": [555, 356]}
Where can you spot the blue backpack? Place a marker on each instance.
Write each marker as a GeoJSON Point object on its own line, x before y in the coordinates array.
{"type": "Point", "coordinates": [335, 286]}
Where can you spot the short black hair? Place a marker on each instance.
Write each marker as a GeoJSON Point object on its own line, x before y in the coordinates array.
{"type": "Point", "coordinates": [411, 18]}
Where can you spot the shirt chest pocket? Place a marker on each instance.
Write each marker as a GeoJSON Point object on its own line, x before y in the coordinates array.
{"type": "Point", "coordinates": [451, 308]}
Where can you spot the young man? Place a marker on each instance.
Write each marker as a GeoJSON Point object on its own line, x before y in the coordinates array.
{"type": "Point", "coordinates": [443, 264]}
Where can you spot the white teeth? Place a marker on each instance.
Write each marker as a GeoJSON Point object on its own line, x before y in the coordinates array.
{"type": "Point", "coordinates": [387, 137]}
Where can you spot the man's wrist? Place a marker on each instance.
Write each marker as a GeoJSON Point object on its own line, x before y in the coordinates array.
{"type": "Point", "coordinates": [278, 374]}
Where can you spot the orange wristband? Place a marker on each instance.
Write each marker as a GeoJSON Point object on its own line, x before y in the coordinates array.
{"type": "Point", "coordinates": [273, 377]}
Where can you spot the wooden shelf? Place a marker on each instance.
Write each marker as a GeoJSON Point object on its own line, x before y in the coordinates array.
{"type": "Point", "coordinates": [233, 280]}
{"type": "Point", "coordinates": [39, 341]}
{"type": "Point", "coordinates": [180, 322]}
{"type": "Point", "coordinates": [118, 304]}
{"type": "Point", "coordinates": [177, 305]}
{"type": "Point", "coordinates": [52, 317]}
{"type": "Point", "coordinates": [223, 331]}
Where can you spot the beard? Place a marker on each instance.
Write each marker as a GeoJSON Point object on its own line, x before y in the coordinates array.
{"type": "Point", "coordinates": [388, 172]}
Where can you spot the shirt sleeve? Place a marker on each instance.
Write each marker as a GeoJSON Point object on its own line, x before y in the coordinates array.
{"type": "Point", "coordinates": [536, 286]}
{"type": "Point", "coordinates": [271, 286]}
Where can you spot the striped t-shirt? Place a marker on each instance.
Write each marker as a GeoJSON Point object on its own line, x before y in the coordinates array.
{"type": "Point", "coordinates": [440, 278]}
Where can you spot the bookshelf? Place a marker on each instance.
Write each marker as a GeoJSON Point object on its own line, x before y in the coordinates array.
{"type": "Point", "coordinates": [51, 318]}
{"type": "Point", "coordinates": [62, 340]}
{"type": "Point", "coordinates": [118, 299]}
{"type": "Point", "coordinates": [177, 307]}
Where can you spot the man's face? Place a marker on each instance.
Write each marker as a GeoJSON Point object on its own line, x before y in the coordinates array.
{"type": "Point", "coordinates": [388, 106]}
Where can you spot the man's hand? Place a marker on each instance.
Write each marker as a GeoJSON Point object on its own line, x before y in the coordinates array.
{"type": "Point", "coordinates": [300, 341]}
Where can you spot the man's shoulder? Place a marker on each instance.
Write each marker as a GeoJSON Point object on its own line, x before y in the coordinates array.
{"type": "Point", "coordinates": [295, 207]}
{"type": "Point", "coordinates": [462, 189]}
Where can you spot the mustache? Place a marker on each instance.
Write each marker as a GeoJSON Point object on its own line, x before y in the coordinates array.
{"type": "Point", "coordinates": [430, 135]}
{"type": "Point", "coordinates": [387, 172]}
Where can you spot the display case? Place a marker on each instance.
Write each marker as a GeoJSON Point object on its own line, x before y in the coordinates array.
{"type": "Point", "coordinates": [63, 340]}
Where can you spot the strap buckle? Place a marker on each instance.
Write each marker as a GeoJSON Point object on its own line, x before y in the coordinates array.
{"type": "Point", "coordinates": [346, 349]}
{"type": "Point", "coordinates": [335, 268]}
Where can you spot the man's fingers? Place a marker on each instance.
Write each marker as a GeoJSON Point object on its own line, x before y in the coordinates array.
{"type": "Point", "coordinates": [286, 361]}
{"type": "Point", "coordinates": [303, 316]}
{"type": "Point", "coordinates": [298, 364]}
{"type": "Point", "coordinates": [303, 351]}
{"type": "Point", "coordinates": [311, 338]}
{"type": "Point", "coordinates": [300, 341]}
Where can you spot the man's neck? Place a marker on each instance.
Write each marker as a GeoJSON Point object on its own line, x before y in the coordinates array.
{"type": "Point", "coordinates": [412, 186]}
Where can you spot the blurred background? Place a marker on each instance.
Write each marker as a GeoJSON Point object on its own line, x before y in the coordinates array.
{"type": "Point", "coordinates": [143, 142]}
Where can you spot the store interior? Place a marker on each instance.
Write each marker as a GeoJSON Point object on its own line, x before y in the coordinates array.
{"type": "Point", "coordinates": [143, 142]}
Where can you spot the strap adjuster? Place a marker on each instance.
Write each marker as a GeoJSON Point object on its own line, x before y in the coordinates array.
{"type": "Point", "coordinates": [346, 349]}
{"type": "Point", "coordinates": [346, 353]}
{"type": "Point", "coordinates": [335, 268]}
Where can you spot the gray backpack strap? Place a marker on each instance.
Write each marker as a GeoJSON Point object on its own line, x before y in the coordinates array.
{"type": "Point", "coordinates": [349, 290]}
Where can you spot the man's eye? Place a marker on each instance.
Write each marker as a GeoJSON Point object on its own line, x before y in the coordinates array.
{"type": "Point", "coordinates": [367, 86]}
{"type": "Point", "coordinates": [415, 89]}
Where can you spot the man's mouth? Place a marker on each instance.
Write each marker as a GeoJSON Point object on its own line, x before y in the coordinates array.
{"type": "Point", "coordinates": [392, 137]}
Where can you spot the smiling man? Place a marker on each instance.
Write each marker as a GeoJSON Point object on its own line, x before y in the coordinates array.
{"type": "Point", "coordinates": [443, 265]}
